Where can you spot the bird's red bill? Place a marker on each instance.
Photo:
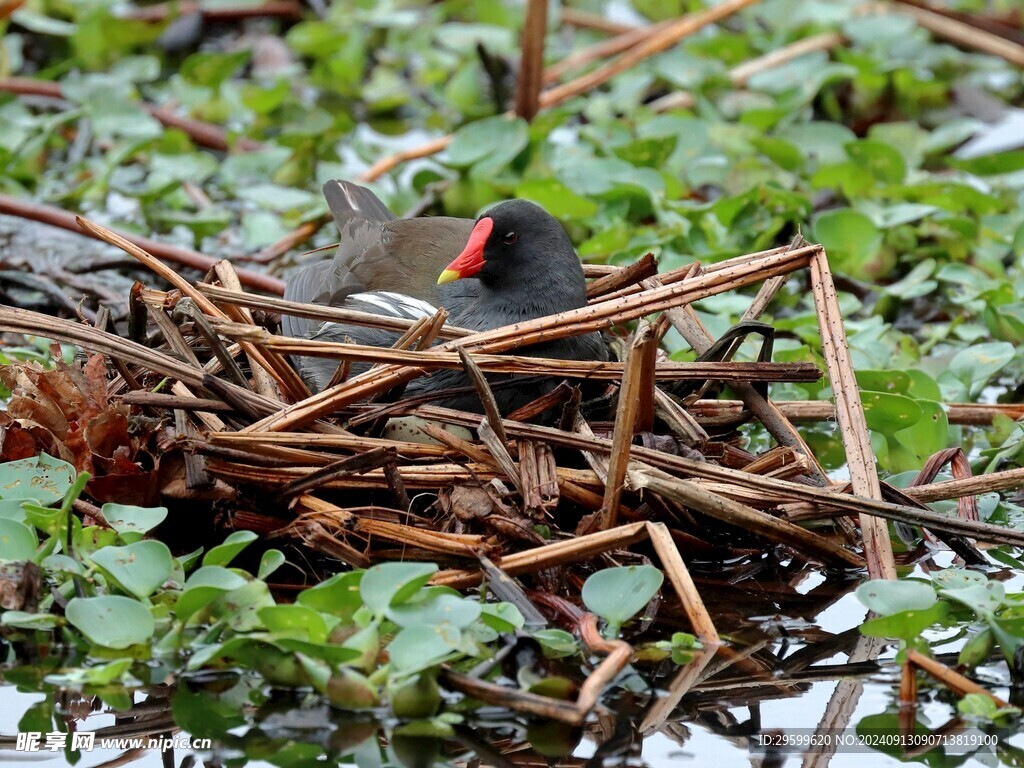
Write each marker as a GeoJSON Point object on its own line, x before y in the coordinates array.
{"type": "Point", "coordinates": [471, 260]}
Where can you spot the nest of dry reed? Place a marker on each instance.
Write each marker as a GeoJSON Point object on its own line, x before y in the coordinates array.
{"type": "Point", "coordinates": [662, 473]}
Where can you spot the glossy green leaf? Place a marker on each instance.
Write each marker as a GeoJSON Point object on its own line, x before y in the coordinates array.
{"type": "Point", "coordinates": [617, 594]}
{"type": "Point", "coordinates": [388, 584]}
{"type": "Point", "coordinates": [41, 478]}
{"type": "Point", "coordinates": [140, 568]}
{"type": "Point", "coordinates": [111, 621]}
{"type": "Point", "coordinates": [17, 540]}
{"type": "Point", "coordinates": [886, 597]}
{"type": "Point", "coordinates": [224, 553]}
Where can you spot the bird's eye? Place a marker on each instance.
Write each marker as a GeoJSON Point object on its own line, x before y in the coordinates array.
{"type": "Point", "coordinates": [510, 238]}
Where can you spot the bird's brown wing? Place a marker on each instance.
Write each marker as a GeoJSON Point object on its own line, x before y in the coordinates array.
{"type": "Point", "coordinates": [417, 251]}
{"type": "Point", "coordinates": [376, 253]}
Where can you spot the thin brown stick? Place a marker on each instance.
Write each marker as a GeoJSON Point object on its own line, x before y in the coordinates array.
{"type": "Point", "coordinates": [186, 257]}
{"type": "Point", "coordinates": [204, 134]}
{"type": "Point", "coordinates": [740, 74]}
{"type": "Point", "coordinates": [953, 680]}
{"type": "Point", "coordinates": [663, 39]}
{"type": "Point", "coordinates": [850, 414]}
{"type": "Point", "coordinates": [531, 61]}
{"type": "Point", "coordinates": [961, 34]}
{"type": "Point", "coordinates": [679, 575]}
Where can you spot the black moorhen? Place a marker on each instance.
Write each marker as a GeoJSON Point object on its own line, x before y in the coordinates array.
{"type": "Point", "coordinates": [516, 263]}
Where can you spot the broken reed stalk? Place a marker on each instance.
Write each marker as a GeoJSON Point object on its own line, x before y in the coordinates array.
{"type": "Point", "coordinates": [740, 74]}
{"type": "Point", "coordinates": [593, 317]}
{"type": "Point", "coordinates": [531, 61]}
{"type": "Point", "coordinates": [625, 422]}
{"type": "Point", "coordinates": [661, 40]}
{"type": "Point", "coordinates": [860, 456]}
{"type": "Point", "coordinates": [746, 518]}
{"type": "Point", "coordinates": [967, 414]}
{"type": "Point", "coordinates": [957, 32]}
{"type": "Point", "coordinates": [57, 217]}
{"type": "Point", "coordinates": [320, 312]}
{"type": "Point", "coordinates": [283, 373]}
{"type": "Point", "coordinates": [783, 490]}
{"type": "Point", "coordinates": [583, 369]}
{"type": "Point", "coordinates": [952, 679]}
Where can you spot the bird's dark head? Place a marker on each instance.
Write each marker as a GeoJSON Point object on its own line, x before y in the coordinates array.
{"type": "Point", "coordinates": [511, 242]}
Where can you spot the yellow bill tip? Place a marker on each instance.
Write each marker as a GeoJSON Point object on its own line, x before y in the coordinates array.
{"type": "Point", "coordinates": [448, 276]}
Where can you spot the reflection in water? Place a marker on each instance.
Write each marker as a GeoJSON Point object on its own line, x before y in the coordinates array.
{"type": "Point", "coordinates": [779, 673]}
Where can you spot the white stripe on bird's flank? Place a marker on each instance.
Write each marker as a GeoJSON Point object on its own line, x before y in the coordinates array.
{"type": "Point", "coordinates": [393, 304]}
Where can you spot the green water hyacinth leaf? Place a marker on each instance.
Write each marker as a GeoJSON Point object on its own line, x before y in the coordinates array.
{"type": "Point", "coordinates": [887, 597]}
{"type": "Point", "coordinates": [850, 237]}
{"type": "Point", "coordinates": [133, 522]}
{"type": "Point", "coordinates": [140, 568]}
{"type": "Point", "coordinates": [111, 621]}
{"type": "Point", "coordinates": [338, 596]}
{"type": "Point", "coordinates": [501, 617]}
{"type": "Point", "coordinates": [25, 620]}
{"type": "Point", "coordinates": [458, 612]}
{"type": "Point", "coordinates": [203, 587]}
{"type": "Point", "coordinates": [888, 413]}
{"type": "Point", "coordinates": [493, 141]}
{"type": "Point", "coordinates": [390, 584]}
{"type": "Point", "coordinates": [618, 594]}
{"type": "Point", "coordinates": [272, 560]}
{"type": "Point", "coordinates": [11, 509]}
{"type": "Point", "coordinates": [419, 647]}
{"type": "Point", "coordinates": [984, 599]}
{"type": "Point", "coordinates": [970, 369]}
{"type": "Point", "coordinates": [41, 478]}
{"type": "Point", "coordinates": [224, 553]}
{"type": "Point", "coordinates": [17, 540]}
{"type": "Point", "coordinates": [906, 625]}
{"type": "Point", "coordinates": [957, 578]}
{"type": "Point", "coordinates": [557, 643]}
{"type": "Point", "coordinates": [296, 621]}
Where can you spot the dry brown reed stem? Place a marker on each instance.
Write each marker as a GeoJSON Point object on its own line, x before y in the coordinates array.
{"type": "Point", "coordinates": [686, 678]}
{"type": "Point", "coordinates": [860, 456]}
{"type": "Point", "coordinates": [953, 680]}
{"type": "Point", "coordinates": [734, 513]}
{"type": "Point", "coordinates": [585, 547]}
{"type": "Point", "coordinates": [783, 490]}
{"type": "Point", "coordinates": [959, 33]}
{"type": "Point", "coordinates": [679, 575]}
{"type": "Point", "coordinates": [514, 699]}
{"type": "Point", "coordinates": [263, 382]}
{"type": "Point", "coordinates": [310, 507]}
{"type": "Point", "coordinates": [822, 410]}
{"type": "Point", "coordinates": [583, 320]}
{"type": "Point", "coordinates": [283, 374]}
{"type": "Point", "coordinates": [969, 486]}
{"type": "Point", "coordinates": [740, 74]}
{"type": "Point", "coordinates": [57, 217]}
{"type": "Point", "coordinates": [202, 133]}
{"type": "Point", "coordinates": [549, 555]}
{"type": "Point", "coordinates": [586, 20]}
{"type": "Point", "coordinates": [292, 240]}
{"type": "Point", "coordinates": [624, 40]}
{"type": "Point", "coordinates": [531, 60]}
{"type": "Point", "coordinates": [662, 39]}
{"type": "Point", "coordinates": [617, 654]}
{"type": "Point", "coordinates": [431, 359]}
{"type": "Point", "coordinates": [224, 295]}
{"type": "Point", "coordinates": [625, 421]}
